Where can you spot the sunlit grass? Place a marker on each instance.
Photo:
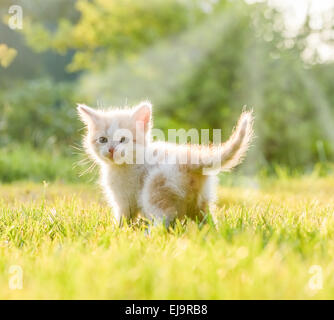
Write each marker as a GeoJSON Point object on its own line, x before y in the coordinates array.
{"type": "Point", "coordinates": [266, 242]}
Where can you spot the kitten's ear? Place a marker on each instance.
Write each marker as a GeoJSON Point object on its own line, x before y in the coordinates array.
{"type": "Point", "coordinates": [87, 115]}
{"type": "Point", "coordinates": [143, 113]}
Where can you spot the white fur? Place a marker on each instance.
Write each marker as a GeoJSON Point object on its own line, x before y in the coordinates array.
{"type": "Point", "coordinates": [158, 190]}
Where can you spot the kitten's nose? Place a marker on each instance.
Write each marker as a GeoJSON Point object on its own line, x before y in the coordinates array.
{"type": "Point", "coordinates": [111, 151]}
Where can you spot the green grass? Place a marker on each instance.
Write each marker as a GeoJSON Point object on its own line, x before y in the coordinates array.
{"type": "Point", "coordinates": [23, 162]}
{"type": "Point", "coordinates": [265, 245]}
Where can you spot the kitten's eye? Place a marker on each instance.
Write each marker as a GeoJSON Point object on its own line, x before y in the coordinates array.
{"type": "Point", "coordinates": [122, 140]}
{"type": "Point", "coordinates": [103, 140]}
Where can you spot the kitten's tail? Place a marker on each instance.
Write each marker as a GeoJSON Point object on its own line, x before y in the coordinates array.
{"type": "Point", "coordinates": [226, 156]}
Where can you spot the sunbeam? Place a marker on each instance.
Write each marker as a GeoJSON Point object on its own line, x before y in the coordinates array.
{"type": "Point", "coordinates": [159, 69]}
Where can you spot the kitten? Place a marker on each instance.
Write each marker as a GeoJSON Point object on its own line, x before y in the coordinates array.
{"type": "Point", "coordinates": [173, 181]}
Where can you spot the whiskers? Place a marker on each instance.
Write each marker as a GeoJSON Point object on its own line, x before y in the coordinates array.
{"type": "Point", "coordinates": [78, 149]}
{"type": "Point", "coordinates": [85, 164]}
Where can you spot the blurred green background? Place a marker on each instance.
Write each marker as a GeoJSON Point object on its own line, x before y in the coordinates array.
{"type": "Point", "coordinates": [198, 61]}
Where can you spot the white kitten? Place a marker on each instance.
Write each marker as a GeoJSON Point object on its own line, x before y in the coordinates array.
{"type": "Point", "coordinates": [161, 180]}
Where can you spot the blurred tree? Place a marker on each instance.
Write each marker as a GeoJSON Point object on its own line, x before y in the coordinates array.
{"type": "Point", "coordinates": [254, 65]}
{"type": "Point", "coordinates": [114, 29]}
{"type": "Point", "coordinates": [28, 64]}
{"type": "Point", "coordinates": [7, 55]}
{"type": "Point", "coordinates": [42, 113]}
{"type": "Point", "coordinates": [250, 59]}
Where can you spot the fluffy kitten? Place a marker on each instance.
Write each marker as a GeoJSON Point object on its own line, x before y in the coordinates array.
{"type": "Point", "coordinates": [174, 181]}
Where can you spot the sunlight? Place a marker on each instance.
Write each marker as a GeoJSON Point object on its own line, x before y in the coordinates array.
{"type": "Point", "coordinates": [295, 12]}
{"type": "Point", "coordinates": [159, 69]}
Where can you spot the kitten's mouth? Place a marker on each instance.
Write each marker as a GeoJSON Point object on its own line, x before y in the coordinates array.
{"type": "Point", "coordinates": [108, 157]}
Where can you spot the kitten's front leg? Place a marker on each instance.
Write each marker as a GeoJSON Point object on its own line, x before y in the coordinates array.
{"type": "Point", "coordinates": [121, 208]}
{"type": "Point", "coordinates": [117, 215]}
{"type": "Point", "coordinates": [123, 213]}
{"type": "Point", "coordinates": [121, 216]}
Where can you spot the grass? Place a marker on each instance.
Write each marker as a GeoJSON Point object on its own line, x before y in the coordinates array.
{"type": "Point", "coordinates": [275, 241]}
